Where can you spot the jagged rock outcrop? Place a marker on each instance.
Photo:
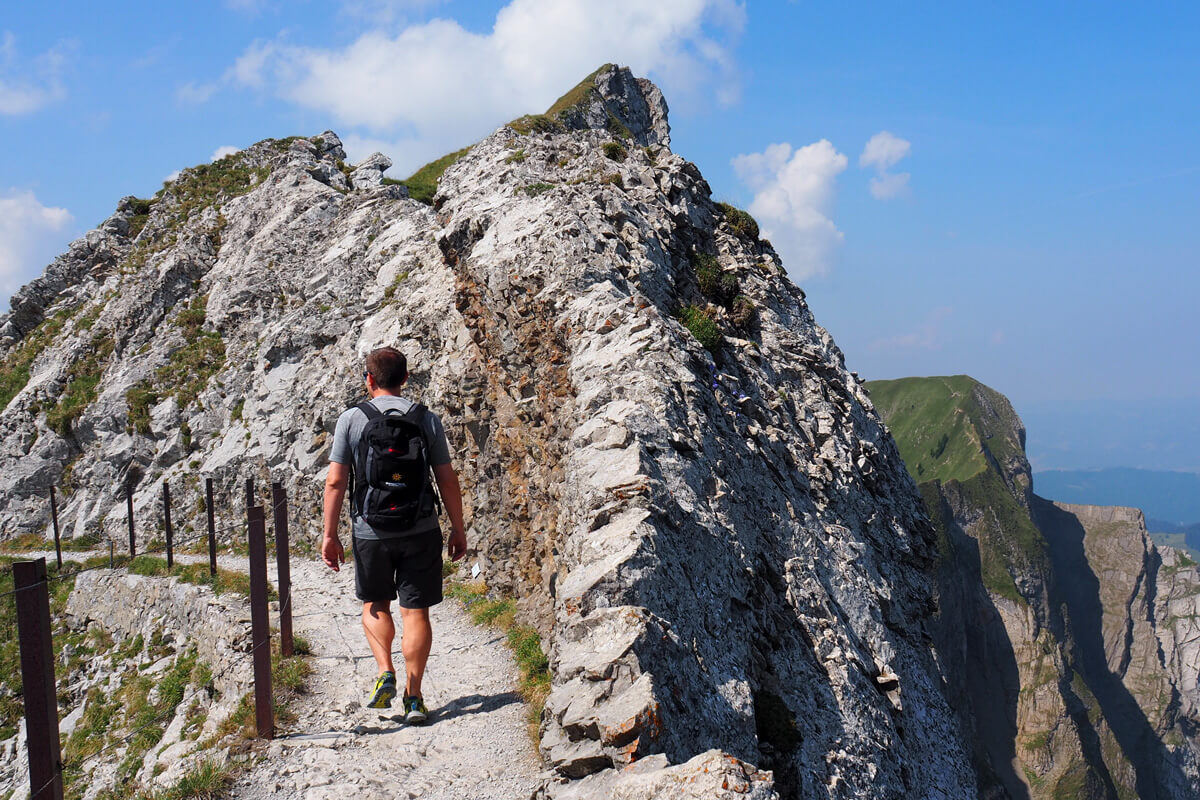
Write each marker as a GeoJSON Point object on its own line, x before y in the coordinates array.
{"type": "Point", "coordinates": [721, 547]}
{"type": "Point", "coordinates": [1065, 660]}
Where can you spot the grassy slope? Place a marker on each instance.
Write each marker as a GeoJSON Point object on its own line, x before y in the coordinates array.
{"type": "Point", "coordinates": [942, 426]}
{"type": "Point", "coordinates": [422, 184]}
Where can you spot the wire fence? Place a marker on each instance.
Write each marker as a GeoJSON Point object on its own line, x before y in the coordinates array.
{"type": "Point", "coordinates": [33, 617]}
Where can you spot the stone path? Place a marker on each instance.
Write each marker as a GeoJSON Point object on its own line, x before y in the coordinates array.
{"type": "Point", "coordinates": [475, 744]}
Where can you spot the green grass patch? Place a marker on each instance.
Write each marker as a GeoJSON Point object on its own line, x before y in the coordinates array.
{"type": "Point", "coordinates": [240, 722]}
{"type": "Point", "coordinates": [14, 371]}
{"type": "Point", "coordinates": [615, 151]}
{"type": "Point", "coordinates": [226, 581]}
{"type": "Point", "coordinates": [517, 157]}
{"type": "Point", "coordinates": [577, 98]}
{"type": "Point", "coordinates": [185, 374]}
{"type": "Point", "coordinates": [702, 325]}
{"type": "Point", "coordinates": [535, 189]}
{"type": "Point", "coordinates": [524, 641]}
{"type": "Point", "coordinates": [423, 183]}
{"type": "Point", "coordinates": [205, 185]}
{"type": "Point", "coordinates": [290, 674]}
{"type": "Point", "coordinates": [740, 222]}
{"type": "Point", "coordinates": [83, 378]}
{"type": "Point", "coordinates": [389, 293]}
{"type": "Point", "coordinates": [208, 780]}
{"type": "Point", "coordinates": [719, 286]}
{"type": "Point", "coordinates": [128, 712]}
{"type": "Point", "coordinates": [536, 123]}
{"type": "Point", "coordinates": [81, 644]}
{"type": "Point", "coordinates": [35, 542]}
{"type": "Point", "coordinates": [920, 411]}
{"type": "Point", "coordinates": [141, 214]}
{"type": "Point", "coordinates": [578, 95]}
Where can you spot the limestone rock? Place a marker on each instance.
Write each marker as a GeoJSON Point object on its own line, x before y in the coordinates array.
{"type": "Point", "coordinates": [717, 547]}
{"type": "Point", "coordinates": [635, 103]}
{"type": "Point", "coordinates": [369, 173]}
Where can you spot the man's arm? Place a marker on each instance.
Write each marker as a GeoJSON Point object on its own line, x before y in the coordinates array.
{"type": "Point", "coordinates": [332, 552]}
{"type": "Point", "coordinates": [451, 492]}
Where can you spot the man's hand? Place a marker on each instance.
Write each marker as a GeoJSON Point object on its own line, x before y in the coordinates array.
{"type": "Point", "coordinates": [333, 554]}
{"type": "Point", "coordinates": [457, 545]}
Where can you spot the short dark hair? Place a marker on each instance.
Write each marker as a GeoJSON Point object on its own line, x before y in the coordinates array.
{"type": "Point", "coordinates": [388, 367]}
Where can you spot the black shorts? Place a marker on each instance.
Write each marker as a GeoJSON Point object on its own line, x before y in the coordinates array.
{"type": "Point", "coordinates": [408, 569]}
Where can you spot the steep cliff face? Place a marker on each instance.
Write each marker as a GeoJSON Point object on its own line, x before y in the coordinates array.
{"type": "Point", "coordinates": [1063, 657]}
{"type": "Point", "coordinates": [720, 545]}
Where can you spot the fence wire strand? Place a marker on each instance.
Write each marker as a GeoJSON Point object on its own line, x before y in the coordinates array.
{"type": "Point", "coordinates": [286, 604]}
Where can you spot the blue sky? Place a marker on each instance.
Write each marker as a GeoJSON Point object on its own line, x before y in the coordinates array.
{"type": "Point", "coordinates": [1025, 213]}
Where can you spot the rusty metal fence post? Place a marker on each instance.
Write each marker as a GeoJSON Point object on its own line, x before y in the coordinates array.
{"type": "Point", "coordinates": [37, 676]}
{"type": "Point", "coordinates": [260, 623]}
{"type": "Point", "coordinates": [54, 518]}
{"type": "Point", "coordinates": [283, 568]}
{"type": "Point", "coordinates": [129, 510]}
{"type": "Point", "coordinates": [212, 527]}
{"type": "Point", "coordinates": [167, 526]}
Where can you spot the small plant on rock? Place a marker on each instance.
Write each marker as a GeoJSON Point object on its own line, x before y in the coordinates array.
{"type": "Point", "coordinates": [703, 326]}
{"type": "Point", "coordinates": [534, 189]}
{"type": "Point", "coordinates": [615, 151]}
{"type": "Point", "coordinates": [739, 222]}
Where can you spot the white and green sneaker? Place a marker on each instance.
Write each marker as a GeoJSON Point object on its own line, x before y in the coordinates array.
{"type": "Point", "coordinates": [414, 710]}
{"type": "Point", "coordinates": [385, 690]}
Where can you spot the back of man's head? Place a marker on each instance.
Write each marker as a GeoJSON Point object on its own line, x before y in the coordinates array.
{"type": "Point", "coordinates": [388, 367]}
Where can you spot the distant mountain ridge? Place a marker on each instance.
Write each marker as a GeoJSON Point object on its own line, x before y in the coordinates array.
{"type": "Point", "coordinates": [1069, 638]}
{"type": "Point", "coordinates": [1172, 497]}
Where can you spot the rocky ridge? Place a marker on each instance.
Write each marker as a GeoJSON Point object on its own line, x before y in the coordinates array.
{"type": "Point", "coordinates": [722, 549]}
{"type": "Point", "coordinates": [1065, 632]}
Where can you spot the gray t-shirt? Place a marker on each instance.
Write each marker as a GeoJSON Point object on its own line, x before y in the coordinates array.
{"type": "Point", "coordinates": [346, 439]}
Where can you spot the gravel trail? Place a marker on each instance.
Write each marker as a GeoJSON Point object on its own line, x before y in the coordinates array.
{"type": "Point", "coordinates": [475, 744]}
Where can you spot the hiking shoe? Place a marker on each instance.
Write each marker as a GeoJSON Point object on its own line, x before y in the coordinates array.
{"type": "Point", "coordinates": [414, 710]}
{"type": "Point", "coordinates": [385, 690]}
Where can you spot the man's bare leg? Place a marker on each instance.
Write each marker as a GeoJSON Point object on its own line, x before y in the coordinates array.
{"type": "Point", "coordinates": [415, 644]}
{"type": "Point", "coordinates": [381, 630]}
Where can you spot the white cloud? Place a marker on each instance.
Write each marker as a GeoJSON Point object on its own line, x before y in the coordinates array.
{"type": "Point", "coordinates": [224, 150]}
{"type": "Point", "coordinates": [28, 88]}
{"type": "Point", "coordinates": [882, 152]}
{"type": "Point", "coordinates": [793, 201]}
{"type": "Point", "coordinates": [172, 176]}
{"type": "Point", "coordinates": [438, 82]}
{"type": "Point", "coordinates": [889, 185]}
{"type": "Point", "coordinates": [31, 234]}
{"type": "Point", "coordinates": [926, 336]}
{"type": "Point", "coordinates": [407, 154]}
{"type": "Point", "coordinates": [194, 94]}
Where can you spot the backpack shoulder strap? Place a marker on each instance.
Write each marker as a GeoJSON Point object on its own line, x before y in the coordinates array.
{"type": "Point", "coordinates": [368, 408]}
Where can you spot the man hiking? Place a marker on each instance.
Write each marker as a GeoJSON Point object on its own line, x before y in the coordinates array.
{"type": "Point", "coordinates": [384, 450]}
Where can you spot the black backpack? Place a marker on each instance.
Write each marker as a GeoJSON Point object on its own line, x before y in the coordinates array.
{"type": "Point", "coordinates": [394, 487]}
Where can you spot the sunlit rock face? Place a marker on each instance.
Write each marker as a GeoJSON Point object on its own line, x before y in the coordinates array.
{"type": "Point", "coordinates": [719, 543]}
